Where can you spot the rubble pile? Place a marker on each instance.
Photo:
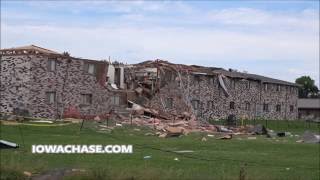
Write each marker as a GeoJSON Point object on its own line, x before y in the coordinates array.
{"type": "Point", "coordinates": [172, 125]}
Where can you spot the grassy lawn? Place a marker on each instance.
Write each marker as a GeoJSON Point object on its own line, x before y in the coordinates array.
{"type": "Point", "coordinates": [265, 158]}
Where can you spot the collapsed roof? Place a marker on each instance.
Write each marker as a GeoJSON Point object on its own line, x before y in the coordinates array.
{"type": "Point", "coordinates": [28, 49]}
{"type": "Point", "coordinates": [201, 70]}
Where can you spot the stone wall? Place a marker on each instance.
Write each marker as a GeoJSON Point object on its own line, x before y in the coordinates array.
{"type": "Point", "coordinates": [68, 81]}
{"type": "Point", "coordinates": [248, 97]}
{"type": "Point", "coordinates": [25, 80]}
{"type": "Point", "coordinates": [15, 82]}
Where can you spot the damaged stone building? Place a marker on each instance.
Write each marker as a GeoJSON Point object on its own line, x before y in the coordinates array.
{"type": "Point", "coordinates": [45, 83]}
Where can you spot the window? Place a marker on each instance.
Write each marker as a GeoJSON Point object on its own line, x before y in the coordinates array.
{"type": "Point", "coordinates": [195, 104]}
{"type": "Point", "coordinates": [115, 100]}
{"type": "Point", "coordinates": [51, 97]}
{"type": "Point", "coordinates": [248, 85]}
{"type": "Point", "coordinates": [210, 105]}
{"type": "Point", "coordinates": [89, 68]}
{"type": "Point", "coordinates": [278, 88]}
{"type": "Point", "coordinates": [278, 108]}
{"type": "Point", "coordinates": [210, 80]}
{"type": "Point", "coordinates": [86, 98]}
{"type": "Point", "coordinates": [247, 106]}
{"type": "Point", "coordinates": [51, 65]}
{"type": "Point", "coordinates": [291, 108]}
{"type": "Point", "coordinates": [231, 105]}
{"type": "Point", "coordinates": [232, 83]}
{"type": "Point", "coordinates": [197, 79]}
{"type": "Point", "coordinates": [169, 103]}
{"type": "Point", "coordinates": [265, 107]}
{"type": "Point", "coordinates": [265, 87]}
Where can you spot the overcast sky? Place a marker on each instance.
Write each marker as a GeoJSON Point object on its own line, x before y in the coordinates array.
{"type": "Point", "coordinates": [279, 39]}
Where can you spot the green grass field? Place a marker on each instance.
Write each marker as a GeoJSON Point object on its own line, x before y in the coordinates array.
{"type": "Point", "coordinates": [265, 158]}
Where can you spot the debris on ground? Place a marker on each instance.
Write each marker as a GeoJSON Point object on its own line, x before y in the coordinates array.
{"type": "Point", "coordinates": [228, 136]}
{"type": "Point", "coordinates": [56, 174]}
{"type": "Point", "coordinates": [174, 131]}
{"type": "Point", "coordinates": [271, 134]}
{"type": "Point", "coordinates": [42, 121]}
{"type": "Point", "coordinates": [281, 134]}
{"type": "Point", "coordinates": [27, 173]}
{"type": "Point", "coordinates": [184, 151]}
{"type": "Point", "coordinates": [147, 157]}
{"type": "Point", "coordinates": [8, 145]}
{"type": "Point", "coordinates": [252, 138]}
{"type": "Point", "coordinates": [259, 129]}
{"type": "Point", "coordinates": [309, 137]}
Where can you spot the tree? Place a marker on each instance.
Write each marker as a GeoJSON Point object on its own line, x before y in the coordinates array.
{"type": "Point", "coordinates": [307, 88]}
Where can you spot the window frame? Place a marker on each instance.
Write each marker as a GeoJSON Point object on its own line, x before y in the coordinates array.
{"type": "Point", "coordinates": [50, 66]}
{"type": "Point", "coordinates": [247, 106]}
{"type": "Point", "coordinates": [170, 100]}
{"type": "Point", "coordinates": [210, 104]}
{"type": "Point", "coordinates": [48, 97]}
{"type": "Point", "coordinates": [265, 107]}
{"type": "Point", "coordinates": [248, 85]}
{"type": "Point", "coordinates": [197, 105]}
{"type": "Point", "coordinates": [265, 87]}
{"type": "Point", "coordinates": [232, 105]}
{"type": "Point", "coordinates": [87, 66]}
{"type": "Point", "coordinates": [291, 108]}
{"type": "Point", "coordinates": [84, 100]}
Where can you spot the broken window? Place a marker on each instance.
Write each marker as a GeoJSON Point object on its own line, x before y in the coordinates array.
{"type": "Point", "coordinates": [117, 74]}
{"type": "Point", "coordinates": [89, 68]}
{"type": "Point", "coordinates": [231, 105]}
{"type": "Point", "coordinates": [51, 97]}
{"type": "Point", "coordinates": [291, 108]}
{"type": "Point", "coordinates": [115, 100]}
{"type": "Point", "coordinates": [278, 88]}
{"type": "Point", "coordinates": [247, 106]}
{"type": "Point", "coordinates": [265, 107]}
{"type": "Point", "coordinates": [195, 104]}
{"type": "Point", "coordinates": [51, 64]}
{"type": "Point", "coordinates": [86, 98]}
{"type": "Point", "coordinates": [278, 108]}
{"type": "Point", "coordinates": [169, 103]}
{"type": "Point", "coordinates": [210, 105]}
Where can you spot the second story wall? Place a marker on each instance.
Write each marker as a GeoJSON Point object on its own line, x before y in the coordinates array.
{"type": "Point", "coordinates": [15, 82]}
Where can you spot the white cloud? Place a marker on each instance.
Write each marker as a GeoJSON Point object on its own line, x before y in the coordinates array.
{"type": "Point", "coordinates": [146, 30]}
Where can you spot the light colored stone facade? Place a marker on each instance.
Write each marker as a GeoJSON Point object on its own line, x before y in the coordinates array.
{"type": "Point", "coordinates": [26, 82]}
{"type": "Point", "coordinates": [203, 94]}
{"type": "Point", "coordinates": [31, 82]}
